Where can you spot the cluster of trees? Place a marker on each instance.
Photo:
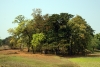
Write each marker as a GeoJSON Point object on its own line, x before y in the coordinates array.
{"type": "Point", "coordinates": [61, 33]}
{"type": "Point", "coordinates": [0, 42]}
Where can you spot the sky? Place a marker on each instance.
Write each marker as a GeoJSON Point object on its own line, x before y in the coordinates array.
{"type": "Point", "coordinates": [9, 9]}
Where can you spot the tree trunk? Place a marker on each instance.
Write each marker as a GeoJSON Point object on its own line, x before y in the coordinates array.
{"type": "Point", "coordinates": [21, 47]}
{"type": "Point", "coordinates": [93, 49]}
{"type": "Point", "coordinates": [33, 49]}
{"type": "Point", "coordinates": [28, 48]}
{"type": "Point", "coordinates": [71, 49]}
{"type": "Point", "coordinates": [29, 42]}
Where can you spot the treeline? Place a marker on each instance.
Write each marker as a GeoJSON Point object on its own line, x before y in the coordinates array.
{"type": "Point", "coordinates": [61, 33]}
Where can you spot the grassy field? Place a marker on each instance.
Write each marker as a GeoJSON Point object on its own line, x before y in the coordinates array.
{"type": "Point", "coordinates": [86, 61]}
{"type": "Point", "coordinates": [91, 60]}
{"type": "Point", "coordinates": [15, 58]}
{"type": "Point", "coordinates": [13, 61]}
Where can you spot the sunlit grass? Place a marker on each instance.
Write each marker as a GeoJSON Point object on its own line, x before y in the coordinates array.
{"type": "Point", "coordinates": [17, 61]}
{"type": "Point", "coordinates": [87, 61]}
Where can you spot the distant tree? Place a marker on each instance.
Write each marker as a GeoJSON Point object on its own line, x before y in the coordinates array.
{"type": "Point", "coordinates": [0, 42]}
{"type": "Point", "coordinates": [13, 42]}
{"type": "Point", "coordinates": [97, 36]}
{"type": "Point", "coordinates": [94, 43]}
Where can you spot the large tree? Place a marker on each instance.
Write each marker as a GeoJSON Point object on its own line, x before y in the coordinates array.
{"type": "Point", "coordinates": [57, 30]}
{"type": "Point", "coordinates": [81, 34]}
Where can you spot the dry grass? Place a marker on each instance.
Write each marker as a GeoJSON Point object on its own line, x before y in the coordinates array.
{"type": "Point", "coordinates": [16, 58]}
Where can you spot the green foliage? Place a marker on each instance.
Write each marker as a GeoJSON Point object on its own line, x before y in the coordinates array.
{"type": "Point", "coordinates": [11, 31]}
{"type": "Point", "coordinates": [63, 31]}
{"type": "Point", "coordinates": [37, 39]}
{"type": "Point", "coordinates": [0, 42]}
{"type": "Point", "coordinates": [97, 37]}
{"type": "Point", "coordinates": [19, 19]}
{"type": "Point", "coordinates": [80, 34]}
{"type": "Point", "coordinates": [94, 43]}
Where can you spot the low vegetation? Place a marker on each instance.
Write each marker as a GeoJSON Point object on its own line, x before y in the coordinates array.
{"type": "Point", "coordinates": [16, 58]}
{"type": "Point", "coordinates": [13, 58]}
{"type": "Point", "coordinates": [86, 61]}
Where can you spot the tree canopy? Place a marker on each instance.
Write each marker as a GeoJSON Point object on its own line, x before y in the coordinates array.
{"type": "Point", "coordinates": [56, 33]}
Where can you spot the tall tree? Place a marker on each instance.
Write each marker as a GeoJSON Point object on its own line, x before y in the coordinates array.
{"type": "Point", "coordinates": [81, 34]}
{"type": "Point", "coordinates": [57, 29]}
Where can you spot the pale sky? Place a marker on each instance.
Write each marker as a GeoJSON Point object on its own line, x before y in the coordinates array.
{"type": "Point", "coordinates": [9, 9]}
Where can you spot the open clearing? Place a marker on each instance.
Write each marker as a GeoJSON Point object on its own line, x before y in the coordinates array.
{"type": "Point", "coordinates": [16, 58]}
